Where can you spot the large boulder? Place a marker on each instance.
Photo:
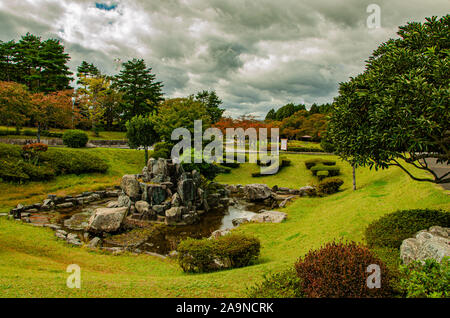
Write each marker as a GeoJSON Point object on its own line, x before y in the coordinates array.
{"type": "Point", "coordinates": [77, 222]}
{"type": "Point", "coordinates": [131, 187]}
{"type": "Point", "coordinates": [431, 244]}
{"type": "Point", "coordinates": [269, 217]}
{"type": "Point", "coordinates": [156, 194]}
{"type": "Point", "coordinates": [257, 192]}
{"type": "Point", "coordinates": [186, 190]}
{"type": "Point", "coordinates": [142, 207]}
{"type": "Point", "coordinates": [107, 220]}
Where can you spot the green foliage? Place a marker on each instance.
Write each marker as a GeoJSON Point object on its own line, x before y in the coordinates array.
{"type": "Point", "coordinates": [232, 250]}
{"type": "Point", "coordinates": [312, 162]}
{"type": "Point", "coordinates": [161, 150]}
{"type": "Point", "coordinates": [40, 65]}
{"type": "Point", "coordinates": [75, 138]}
{"type": "Point", "coordinates": [212, 103]}
{"type": "Point", "coordinates": [141, 93]}
{"type": "Point", "coordinates": [428, 280]}
{"type": "Point", "coordinates": [180, 113]}
{"type": "Point", "coordinates": [339, 270]}
{"type": "Point", "coordinates": [322, 175]}
{"type": "Point", "coordinates": [332, 170]}
{"type": "Point", "coordinates": [285, 284]}
{"type": "Point", "coordinates": [141, 132]}
{"type": "Point", "coordinates": [397, 112]}
{"type": "Point", "coordinates": [73, 161]}
{"type": "Point", "coordinates": [391, 229]}
{"type": "Point", "coordinates": [304, 149]}
{"type": "Point", "coordinates": [329, 185]}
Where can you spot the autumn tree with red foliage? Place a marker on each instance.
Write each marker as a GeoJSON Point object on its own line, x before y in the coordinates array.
{"type": "Point", "coordinates": [15, 104]}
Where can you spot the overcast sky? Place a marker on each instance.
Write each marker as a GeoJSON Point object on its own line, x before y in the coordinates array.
{"type": "Point", "coordinates": [257, 54]}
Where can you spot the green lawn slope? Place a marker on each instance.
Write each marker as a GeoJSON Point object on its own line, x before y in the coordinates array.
{"type": "Point", "coordinates": [33, 263]}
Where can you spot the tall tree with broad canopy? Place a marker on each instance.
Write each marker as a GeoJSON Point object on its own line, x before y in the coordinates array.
{"type": "Point", "coordinates": [141, 93]}
{"type": "Point", "coordinates": [397, 112]}
{"type": "Point", "coordinates": [141, 133]}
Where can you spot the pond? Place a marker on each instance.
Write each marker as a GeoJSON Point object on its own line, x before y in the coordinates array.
{"type": "Point", "coordinates": [147, 236]}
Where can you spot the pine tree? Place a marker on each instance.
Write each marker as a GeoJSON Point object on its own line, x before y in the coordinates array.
{"type": "Point", "coordinates": [212, 103]}
{"type": "Point", "coordinates": [141, 93]}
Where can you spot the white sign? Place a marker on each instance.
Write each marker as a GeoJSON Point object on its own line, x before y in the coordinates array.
{"type": "Point", "coordinates": [284, 144]}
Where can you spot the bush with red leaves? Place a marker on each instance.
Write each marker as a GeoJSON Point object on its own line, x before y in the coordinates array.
{"type": "Point", "coordinates": [340, 270]}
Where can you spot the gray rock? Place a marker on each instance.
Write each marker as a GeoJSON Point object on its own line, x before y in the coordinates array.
{"type": "Point", "coordinates": [156, 193]}
{"type": "Point", "coordinates": [94, 243]}
{"type": "Point", "coordinates": [269, 217]}
{"type": "Point", "coordinates": [219, 233]}
{"type": "Point", "coordinates": [142, 207]}
{"type": "Point", "coordinates": [186, 190]}
{"type": "Point", "coordinates": [257, 192]}
{"type": "Point", "coordinates": [173, 215]}
{"type": "Point", "coordinates": [307, 190]}
{"type": "Point", "coordinates": [130, 186]}
{"type": "Point", "coordinates": [159, 209]}
{"type": "Point", "coordinates": [112, 204]}
{"type": "Point", "coordinates": [176, 200]}
{"type": "Point", "coordinates": [77, 222]}
{"type": "Point", "coordinates": [66, 205]}
{"type": "Point", "coordinates": [239, 221]}
{"type": "Point", "coordinates": [123, 201]}
{"type": "Point", "coordinates": [431, 244]}
{"type": "Point", "coordinates": [107, 220]}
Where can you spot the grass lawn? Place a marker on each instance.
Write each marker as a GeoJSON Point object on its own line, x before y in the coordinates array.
{"type": "Point", "coordinates": [120, 161]}
{"type": "Point", "coordinates": [33, 263]}
{"type": "Point", "coordinates": [104, 135]}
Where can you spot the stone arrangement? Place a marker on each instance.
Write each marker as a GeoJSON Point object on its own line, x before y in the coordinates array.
{"type": "Point", "coordinates": [54, 202]}
{"type": "Point", "coordinates": [433, 243]}
{"type": "Point", "coordinates": [163, 192]}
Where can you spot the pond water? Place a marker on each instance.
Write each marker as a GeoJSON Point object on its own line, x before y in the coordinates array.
{"type": "Point", "coordinates": [152, 237]}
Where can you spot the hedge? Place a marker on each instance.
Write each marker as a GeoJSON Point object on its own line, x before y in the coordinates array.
{"type": "Point", "coordinates": [332, 170]}
{"type": "Point", "coordinates": [231, 251]}
{"type": "Point", "coordinates": [303, 149]}
{"type": "Point", "coordinates": [312, 162]}
{"type": "Point", "coordinates": [391, 229]}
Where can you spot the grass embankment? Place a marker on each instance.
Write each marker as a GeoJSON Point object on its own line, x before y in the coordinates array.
{"type": "Point", "coordinates": [120, 162]}
{"type": "Point", "coordinates": [33, 262]}
{"type": "Point", "coordinates": [103, 135]}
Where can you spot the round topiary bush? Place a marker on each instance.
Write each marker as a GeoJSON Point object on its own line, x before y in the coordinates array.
{"type": "Point", "coordinates": [75, 138]}
{"type": "Point", "coordinates": [341, 270]}
{"type": "Point", "coordinates": [329, 185]}
{"type": "Point", "coordinates": [229, 251]}
{"type": "Point", "coordinates": [391, 229]}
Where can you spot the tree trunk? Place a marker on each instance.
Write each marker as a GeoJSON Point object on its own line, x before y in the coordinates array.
{"type": "Point", "coordinates": [354, 177]}
{"type": "Point", "coordinates": [146, 154]}
{"type": "Point", "coordinates": [39, 133]}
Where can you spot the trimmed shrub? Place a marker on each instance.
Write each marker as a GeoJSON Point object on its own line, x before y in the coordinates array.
{"type": "Point", "coordinates": [208, 170]}
{"type": "Point", "coordinates": [73, 161]}
{"type": "Point", "coordinates": [285, 284]}
{"type": "Point", "coordinates": [75, 138]}
{"type": "Point", "coordinates": [332, 170]}
{"type": "Point", "coordinates": [312, 162]}
{"type": "Point", "coordinates": [29, 133]}
{"type": "Point", "coordinates": [5, 133]}
{"type": "Point", "coordinates": [426, 280]}
{"type": "Point", "coordinates": [11, 170]}
{"type": "Point", "coordinates": [224, 169]}
{"type": "Point", "coordinates": [232, 165]}
{"type": "Point", "coordinates": [322, 175]}
{"type": "Point", "coordinates": [391, 229]}
{"type": "Point", "coordinates": [161, 153]}
{"type": "Point", "coordinates": [37, 173]}
{"type": "Point", "coordinates": [329, 185]}
{"type": "Point", "coordinates": [339, 270]}
{"type": "Point", "coordinates": [233, 250]}
{"type": "Point", "coordinates": [303, 149]}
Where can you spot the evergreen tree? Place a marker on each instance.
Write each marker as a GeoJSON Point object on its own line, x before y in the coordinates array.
{"type": "Point", "coordinates": [86, 70]}
{"type": "Point", "coordinates": [141, 93]}
{"type": "Point", "coordinates": [271, 115]}
{"type": "Point", "coordinates": [212, 103]}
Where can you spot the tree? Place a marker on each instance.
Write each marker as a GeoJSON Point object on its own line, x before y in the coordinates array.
{"type": "Point", "coordinates": [180, 112]}
{"type": "Point", "coordinates": [397, 112]}
{"type": "Point", "coordinates": [86, 70]}
{"type": "Point", "coordinates": [100, 99]}
{"type": "Point", "coordinates": [52, 109]}
{"type": "Point", "coordinates": [212, 103]}
{"type": "Point", "coordinates": [8, 70]}
{"type": "Point", "coordinates": [15, 104]}
{"type": "Point", "coordinates": [271, 115]}
{"type": "Point", "coordinates": [141, 132]}
{"type": "Point", "coordinates": [41, 65]}
{"type": "Point", "coordinates": [141, 93]}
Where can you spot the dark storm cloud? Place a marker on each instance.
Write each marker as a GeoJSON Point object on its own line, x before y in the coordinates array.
{"type": "Point", "coordinates": [257, 54]}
